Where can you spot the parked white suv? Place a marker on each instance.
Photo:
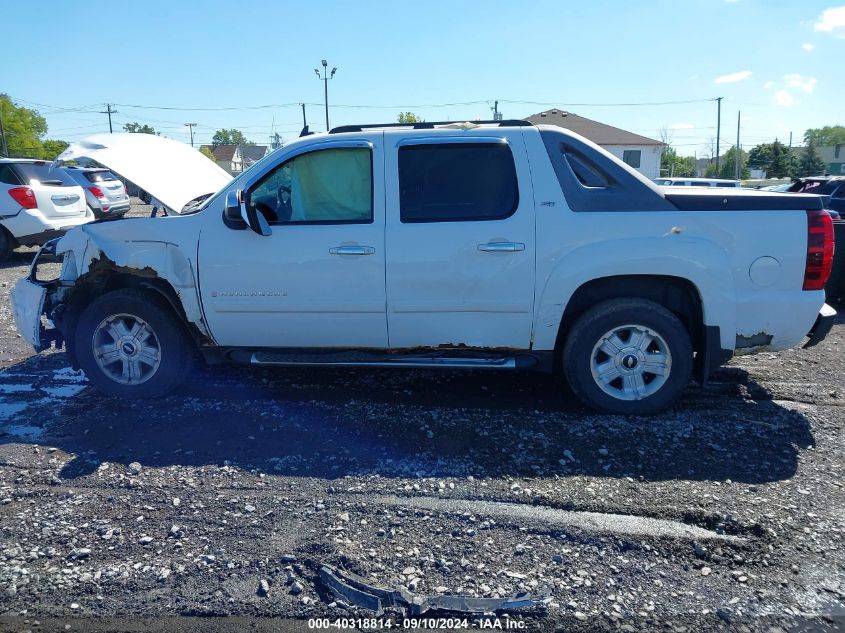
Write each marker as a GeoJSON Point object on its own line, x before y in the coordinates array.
{"type": "Point", "coordinates": [495, 246]}
{"type": "Point", "coordinates": [38, 202]}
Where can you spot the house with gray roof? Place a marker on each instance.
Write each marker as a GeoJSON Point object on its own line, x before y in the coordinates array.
{"type": "Point", "coordinates": [235, 158]}
{"type": "Point", "coordinates": [638, 151]}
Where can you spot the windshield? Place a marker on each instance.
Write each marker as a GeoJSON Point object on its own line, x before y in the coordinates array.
{"type": "Point", "coordinates": [233, 185]}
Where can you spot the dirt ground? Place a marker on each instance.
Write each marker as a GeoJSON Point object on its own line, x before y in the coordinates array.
{"type": "Point", "coordinates": [224, 499]}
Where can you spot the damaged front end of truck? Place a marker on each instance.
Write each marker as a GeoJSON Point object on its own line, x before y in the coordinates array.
{"type": "Point", "coordinates": [46, 306]}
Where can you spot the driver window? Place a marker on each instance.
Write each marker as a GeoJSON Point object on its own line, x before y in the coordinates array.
{"type": "Point", "coordinates": [325, 186]}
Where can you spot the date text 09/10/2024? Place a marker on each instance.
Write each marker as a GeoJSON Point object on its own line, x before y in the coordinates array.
{"type": "Point", "coordinates": [378, 623]}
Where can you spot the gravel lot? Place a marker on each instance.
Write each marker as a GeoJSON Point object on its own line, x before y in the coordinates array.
{"type": "Point", "coordinates": [225, 498]}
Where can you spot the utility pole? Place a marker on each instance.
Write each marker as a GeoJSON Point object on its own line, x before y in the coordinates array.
{"type": "Point", "coordinates": [3, 134]}
{"type": "Point", "coordinates": [718, 129]}
{"type": "Point", "coordinates": [325, 78]}
{"type": "Point", "coordinates": [737, 171]}
{"type": "Point", "coordinates": [191, 128]}
{"type": "Point", "coordinates": [109, 111]}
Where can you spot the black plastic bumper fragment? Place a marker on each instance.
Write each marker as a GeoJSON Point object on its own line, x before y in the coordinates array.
{"type": "Point", "coordinates": [353, 589]}
{"type": "Point", "coordinates": [822, 326]}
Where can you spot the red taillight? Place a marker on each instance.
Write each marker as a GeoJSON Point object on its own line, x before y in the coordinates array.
{"type": "Point", "coordinates": [97, 192]}
{"type": "Point", "coordinates": [24, 196]}
{"type": "Point", "coordinates": [819, 249]}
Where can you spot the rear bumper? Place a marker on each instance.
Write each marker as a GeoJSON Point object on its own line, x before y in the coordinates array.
{"type": "Point", "coordinates": [30, 226]}
{"type": "Point", "coordinates": [821, 328]}
{"type": "Point", "coordinates": [117, 211]}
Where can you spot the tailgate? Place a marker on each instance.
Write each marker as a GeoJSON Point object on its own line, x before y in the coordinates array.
{"type": "Point", "coordinates": [58, 201]}
{"type": "Point", "coordinates": [114, 190]}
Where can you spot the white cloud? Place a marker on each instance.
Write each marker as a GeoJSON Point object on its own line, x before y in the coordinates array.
{"type": "Point", "coordinates": [808, 47]}
{"type": "Point", "coordinates": [832, 21]}
{"type": "Point", "coordinates": [769, 85]}
{"type": "Point", "coordinates": [733, 77]}
{"type": "Point", "coordinates": [681, 126]}
{"type": "Point", "coordinates": [784, 99]}
{"type": "Point", "coordinates": [802, 83]}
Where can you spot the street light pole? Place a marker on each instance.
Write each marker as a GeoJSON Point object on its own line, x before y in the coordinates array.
{"type": "Point", "coordinates": [325, 76]}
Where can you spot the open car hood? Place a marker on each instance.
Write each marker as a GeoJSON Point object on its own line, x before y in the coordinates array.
{"type": "Point", "coordinates": [171, 171]}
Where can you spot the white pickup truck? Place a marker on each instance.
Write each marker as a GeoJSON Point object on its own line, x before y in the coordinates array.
{"type": "Point", "coordinates": [499, 245]}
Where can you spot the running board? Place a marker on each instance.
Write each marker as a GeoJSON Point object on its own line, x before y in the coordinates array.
{"type": "Point", "coordinates": [364, 359]}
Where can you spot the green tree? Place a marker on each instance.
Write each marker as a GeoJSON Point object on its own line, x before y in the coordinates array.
{"type": "Point", "coordinates": [52, 148]}
{"type": "Point", "coordinates": [760, 157]}
{"type": "Point", "coordinates": [409, 117]}
{"type": "Point", "coordinates": [205, 151]}
{"type": "Point", "coordinates": [139, 129]}
{"type": "Point", "coordinates": [779, 164]}
{"type": "Point", "coordinates": [24, 129]}
{"type": "Point", "coordinates": [727, 165]}
{"type": "Point", "coordinates": [229, 137]}
{"type": "Point", "coordinates": [673, 165]}
{"type": "Point", "coordinates": [810, 163]}
{"type": "Point", "coordinates": [826, 136]}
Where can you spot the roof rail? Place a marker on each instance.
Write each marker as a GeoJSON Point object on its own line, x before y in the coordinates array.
{"type": "Point", "coordinates": [427, 125]}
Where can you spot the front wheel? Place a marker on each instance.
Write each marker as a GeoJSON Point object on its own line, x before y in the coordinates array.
{"type": "Point", "coordinates": [628, 356]}
{"type": "Point", "coordinates": [130, 345]}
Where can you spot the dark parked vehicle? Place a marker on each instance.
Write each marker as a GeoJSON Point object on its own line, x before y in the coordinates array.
{"type": "Point", "coordinates": [831, 186]}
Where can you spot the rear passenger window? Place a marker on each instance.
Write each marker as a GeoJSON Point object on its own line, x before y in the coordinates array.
{"type": "Point", "coordinates": [456, 182]}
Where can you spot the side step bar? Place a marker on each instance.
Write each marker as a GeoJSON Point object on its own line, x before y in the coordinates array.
{"type": "Point", "coordinates": [365, 359]}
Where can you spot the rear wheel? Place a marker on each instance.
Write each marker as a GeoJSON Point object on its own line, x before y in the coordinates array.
{"type": "Point", "coordinates": [130, 344]}
{"type": "Point", "coordinates": [628, 356]}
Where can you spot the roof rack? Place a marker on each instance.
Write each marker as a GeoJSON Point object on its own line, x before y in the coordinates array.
{"type": "Point", "coordinates": [427, 125]}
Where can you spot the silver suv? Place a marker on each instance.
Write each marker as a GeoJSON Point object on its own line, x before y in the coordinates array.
{"type": "Point", "coordinates": [105, 194]}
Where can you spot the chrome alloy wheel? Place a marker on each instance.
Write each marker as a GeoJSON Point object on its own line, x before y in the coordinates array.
{"type": "Point", "coordinates": [630, 362]}
{"type": "Point", "coordinates": [126, 349]}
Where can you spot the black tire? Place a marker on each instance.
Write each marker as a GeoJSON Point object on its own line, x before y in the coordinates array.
{"type": "Point", "coordinates": [588, 331]}
{"type": "Point", "coordinates": [175, 351]}
{"type": "Point", "coordinates": [7, 244]}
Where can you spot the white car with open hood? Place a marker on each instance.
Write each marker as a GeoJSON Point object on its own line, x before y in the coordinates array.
{"type": "Point", "coordinates": [495, 245]}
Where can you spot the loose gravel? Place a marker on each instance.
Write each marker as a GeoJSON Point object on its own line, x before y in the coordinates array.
{"type": "Point", "coordinates": [223, 499]}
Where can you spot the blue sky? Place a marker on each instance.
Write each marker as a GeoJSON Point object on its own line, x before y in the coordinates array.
{"type": "Point", "coordinates": [778, 61]}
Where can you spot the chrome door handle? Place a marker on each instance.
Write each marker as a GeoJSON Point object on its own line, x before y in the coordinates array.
{"type": "Point", "coordinates": [352, 250]}
{"type": "Point", "coordinates": [502, 247]}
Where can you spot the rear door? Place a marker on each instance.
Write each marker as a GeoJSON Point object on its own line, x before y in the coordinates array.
{"type": "Point", "coordinates": [459, 239]}
{"type": "Point", "coordinates": [56, 194]}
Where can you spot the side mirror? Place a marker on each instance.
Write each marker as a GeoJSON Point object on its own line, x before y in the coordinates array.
{"type": "Point", "coordinates": [238, 211]}
{"type": "Point", "coordinates": [233, 207]}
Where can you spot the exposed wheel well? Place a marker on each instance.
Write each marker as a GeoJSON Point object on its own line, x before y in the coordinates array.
{"type": "Point", "coordinates": [678, 295]}
{"type": "Point", "coordinates": [102, 283]}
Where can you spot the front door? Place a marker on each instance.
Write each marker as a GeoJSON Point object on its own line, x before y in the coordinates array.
{"type": "Point", "coordinates": [460, 240]}
{"type": "Point", "coordinates": [318, 280]}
